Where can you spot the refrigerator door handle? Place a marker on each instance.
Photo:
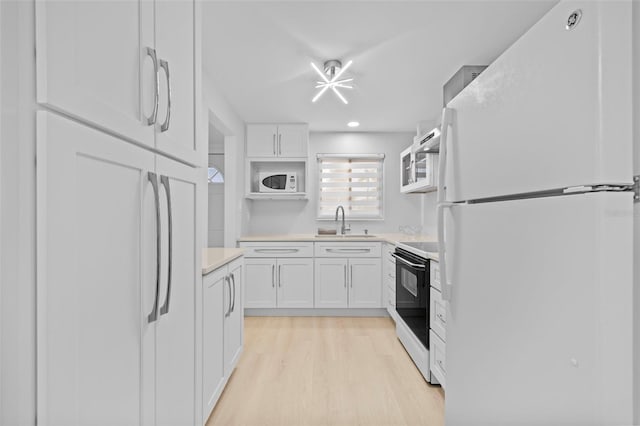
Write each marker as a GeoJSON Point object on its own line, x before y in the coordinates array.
{"type": "Point", "coordinates": [442, 252]}
{"type": "Point", "coordinates": [447, 121]}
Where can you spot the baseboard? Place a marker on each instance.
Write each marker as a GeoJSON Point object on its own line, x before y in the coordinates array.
{"type": "Point", "coordinates": [315, 312]}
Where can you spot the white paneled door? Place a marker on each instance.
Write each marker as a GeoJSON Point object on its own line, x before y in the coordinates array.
{"type": "Point", "coordinates": [175, 48]}
{"type": "Point", "coordinates": [261, 283]}
{"type": "Point", "coordinates": [234, 316]}
{"type": "Point", "coordinates": [91, 59]}
{"type": "Point", "coordinates": [96, 277]}
{"type": "Point", "coordinates": [175, 338]}
{"type": "Point", "coordinates": [331, 282]}
{"type": "Point", "coordinates": [365, 283]}
{"type": "Point", "coordinates": [295, 283]}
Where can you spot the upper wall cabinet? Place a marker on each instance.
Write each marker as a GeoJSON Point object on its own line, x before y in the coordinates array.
{"type": "Point", "coordinates": [277, 140]}
{"type": "Point", "coordinates": [126, 67]}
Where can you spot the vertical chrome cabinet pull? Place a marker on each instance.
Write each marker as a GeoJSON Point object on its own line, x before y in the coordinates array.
{"type": "Point", "coordinates": [274, 144]}
{"type": "Point", "coordinates": [345, 276]}
{"type": "Point", "coordinates": [273, 276]}
{"type": "Point", "coordinates": [228, 313]}
{"type": "Point", "coordinates": [351, 275]}
{"type": "Point", "coordinates": [279, 144]}
{"type": "Point", "coordinates": [165, 66]}
{"type": "Point", "coordinates": [233, 279]}
{"type": "Point", "coordinates": [279, 275]}
{"type": "Point", "coordinates": [165, 182]}
{"type": "Point", "coordinates": [153, 316]}
{"type": "Point", "coordinates": [156, 93]}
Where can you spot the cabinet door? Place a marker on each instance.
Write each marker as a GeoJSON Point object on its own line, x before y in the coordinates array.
{"type": "Point", "coordinates": [331, 283]}
{"type": "Point", "coordinates": [174, 25]}
{"type": "Point", "coordinates": [89, 57]}
{"type": "Point", "coordinates": [262, 140]}
{"type": "Point", "coordinates": [295, 283]}
{"type": "Point", "coordinates": [260, 283]}
{"type": "Point", "coordinates": [175, 328]}
{"type": "Point", "coordinates": [96, 277]}
{"type": "Point", "coordinates": [234, 318]}
{"type": "Point", "coordinates": [365, 283]}
{"type": "Point", "coordinates": [292, 140]}
{"type": "Point", "coordinates": [212, 339]}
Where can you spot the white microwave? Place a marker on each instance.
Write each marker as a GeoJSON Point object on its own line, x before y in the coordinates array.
{"type": "Point", "coordinates": [278, 182]}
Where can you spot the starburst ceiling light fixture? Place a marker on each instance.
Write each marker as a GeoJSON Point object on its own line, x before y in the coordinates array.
{"type": "Point", "coordinates": [333, 70]}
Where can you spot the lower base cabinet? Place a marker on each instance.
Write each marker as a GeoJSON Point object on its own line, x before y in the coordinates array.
{"type": "Point", "coordinates": [222, 330]}
{"type": "Point", "coordinates": [348, 283]}
{"type": "Point", "coordinates": [279, 283]}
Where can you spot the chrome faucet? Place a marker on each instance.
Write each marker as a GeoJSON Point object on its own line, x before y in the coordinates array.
{"type": "Point", "coordinates": [343, 229]}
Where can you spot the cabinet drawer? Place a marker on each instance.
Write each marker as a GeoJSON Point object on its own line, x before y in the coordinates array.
{"type": "Point", "coordinates": [347, 249]}
{"type": "Point", "coordinates": [437, 358]}
{"type": "Point", "coordinates": [434, 274]}
{"type": "Point", "coordinates": [438, 314]}
{"type": "Point", "coordinates": [285, 249]}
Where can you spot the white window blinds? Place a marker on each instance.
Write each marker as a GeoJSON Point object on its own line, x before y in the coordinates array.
{"type": "Point", "coordinates": [352, 181]}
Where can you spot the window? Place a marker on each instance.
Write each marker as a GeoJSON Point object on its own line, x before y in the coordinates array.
{"type": "Point", "coordinates": [352, 181]}
{"type": "Point", "coordinates": [214, 175]}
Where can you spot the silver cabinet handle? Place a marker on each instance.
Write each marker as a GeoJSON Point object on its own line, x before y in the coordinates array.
{"type": "Point", "coordinates": [273, 276]}
{"type": "Point", "coordinates": [442, 318]}
{"type": "Point", "coordinates": [277, 250]}
{"type": "Point", "coordinates": [351, 275]}
{"type": "Point", "coordinates": [274, 144]}
{"type": "Point", "coordinates": [165, 66]}
{"type": "Point", "coordinates": [165, 183]}
{"type": "Point", "coordinates": [153, 316]}
{"type": "Point", "coordinates": [345, 276]}
{"type": "Point", "coordinates": [348, 250]}
{"type": "Point", "coordinates": [279, 275]}
{"type": "Point", "coordinates": [233, 280]}
{"type": "Point", "coordinates": [406, 262]}
{"type": "Point", "coordinates": [279, 144]}
{"type": "Point", "coordinates": [441, 365]}
{"type": "Point", "coordinates": [228, 281]}
{"type": "Point", "coordinates": [156, 94]}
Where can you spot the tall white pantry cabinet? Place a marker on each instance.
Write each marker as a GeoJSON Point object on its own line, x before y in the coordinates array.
{"type": "Point", "coordinates": [119, 213]}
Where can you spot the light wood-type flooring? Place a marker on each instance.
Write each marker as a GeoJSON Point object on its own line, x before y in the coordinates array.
{"type": "Point", "coordinates": [298, 371]}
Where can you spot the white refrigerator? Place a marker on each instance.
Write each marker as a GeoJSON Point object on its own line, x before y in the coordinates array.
{"type": "Point", "coordinates": [536, 223]}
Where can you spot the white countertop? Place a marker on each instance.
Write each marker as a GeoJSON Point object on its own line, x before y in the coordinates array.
{"type": "Point", "coordinates": [215, 257]}
{"type": "Point", "coordinates": [386, 238]}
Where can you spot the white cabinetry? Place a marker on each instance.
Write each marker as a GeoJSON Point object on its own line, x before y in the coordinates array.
{"type": "Point", "coordinates": [117, 269]}
{"type": "Point", "coordinates": [389, 279]}
{"type": "Point", "coordinates": [279, 275]}
{"type": "Point", "coordinates": [331, 281]}
{"type": "Point", "coordinates": [213, 324]}
{"type": "Point", "coordinates": [348, 275]}
{"type": "Point", "coordinates": [295, 283]}
{"type": "Point", "coordinates": [223, 322]}
{"type": "Point", "coordinates": [277, 140]}
{"type": "Point", "coordinates": [437, 325]}
{"type": "Point", "coordinates": [111, 64]}
{"type": "Point", "coordinates": [234, 317]}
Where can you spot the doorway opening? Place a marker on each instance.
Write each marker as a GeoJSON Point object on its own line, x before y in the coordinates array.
{"type": "Point", "coordinates": [216, 188]}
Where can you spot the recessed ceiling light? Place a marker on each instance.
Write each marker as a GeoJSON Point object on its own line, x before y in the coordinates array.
{"type": "Point", "coordinates": [353, 124]}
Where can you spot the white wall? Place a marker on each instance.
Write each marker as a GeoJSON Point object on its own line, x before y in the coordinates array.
{"type": "Point", "coordinates": [276, 217]}
{"type": "Point", "coordinates": [17, 223]}
{"type": "Point", "coordinates": [221, 113]}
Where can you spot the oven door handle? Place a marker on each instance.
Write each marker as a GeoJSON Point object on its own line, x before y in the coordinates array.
{"type": "Point", "coordinates": [413, 265]}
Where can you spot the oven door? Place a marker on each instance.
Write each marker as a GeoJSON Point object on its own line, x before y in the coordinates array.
{"type": "Point", "coordinates": [412, 294]}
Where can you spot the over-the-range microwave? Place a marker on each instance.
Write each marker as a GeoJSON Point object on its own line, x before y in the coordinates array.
{"type": "Point", "coordinates": [278, 182]}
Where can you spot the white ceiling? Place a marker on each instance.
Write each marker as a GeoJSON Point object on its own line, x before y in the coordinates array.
{"type": "Point", "coordinates": [259, 54]}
